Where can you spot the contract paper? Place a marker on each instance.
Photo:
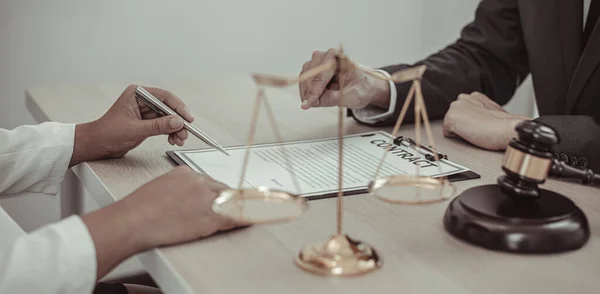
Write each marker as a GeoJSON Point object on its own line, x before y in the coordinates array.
{"type": "Point", "coordinates": [314, 164]}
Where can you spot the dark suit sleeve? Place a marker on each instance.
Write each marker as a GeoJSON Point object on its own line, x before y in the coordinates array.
{"type": "Point", "coordinates": [579, 139]}
{"type": "Point", "coordinates": [489, 57]}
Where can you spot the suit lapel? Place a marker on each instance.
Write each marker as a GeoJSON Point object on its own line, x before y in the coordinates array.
{"type": "Point", "coordinates": [585, 68]}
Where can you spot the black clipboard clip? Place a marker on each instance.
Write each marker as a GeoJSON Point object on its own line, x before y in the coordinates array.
{"type": "Point", "coordinates": [427, 151]}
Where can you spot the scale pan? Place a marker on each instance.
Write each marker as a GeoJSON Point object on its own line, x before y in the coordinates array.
{"type": "Point", "coordinates": [259, 205]}
{"type": "Point", "coordinates": [403, 189]}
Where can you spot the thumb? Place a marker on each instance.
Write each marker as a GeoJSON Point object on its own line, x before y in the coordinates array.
{"type": "Point", "coordinates": [162, 125]}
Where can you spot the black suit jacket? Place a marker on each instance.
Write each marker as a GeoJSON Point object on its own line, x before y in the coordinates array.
{"type": "Point", "coordinates": [508, 40]}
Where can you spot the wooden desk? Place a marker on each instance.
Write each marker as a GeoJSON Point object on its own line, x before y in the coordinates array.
{"type": "Point", "coordinates": [418, 255]}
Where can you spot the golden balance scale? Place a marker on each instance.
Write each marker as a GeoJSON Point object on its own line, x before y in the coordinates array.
{"type": "Point", "coordinates": [339, 255]}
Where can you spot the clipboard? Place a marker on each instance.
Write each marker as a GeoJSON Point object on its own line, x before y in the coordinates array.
{"type": "Point", "coordinates": [463, 176]}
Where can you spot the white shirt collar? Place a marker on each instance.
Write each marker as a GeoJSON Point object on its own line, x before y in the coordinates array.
{"type": "Point", "coordinates": [586, 10]}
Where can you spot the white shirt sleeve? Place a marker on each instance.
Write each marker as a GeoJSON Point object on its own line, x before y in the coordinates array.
{"type": "Point", "coordinates": [57, 258]}
{"type": "Point", "coordinates": [372, 114]}
{"type": "Point", "coordinates": [34, 159]}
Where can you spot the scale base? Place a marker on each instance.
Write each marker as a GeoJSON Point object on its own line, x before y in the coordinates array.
{"type": "Point", "coordinates": [487, 217]}
{"type": "Point", "coordinates": [339, 256]}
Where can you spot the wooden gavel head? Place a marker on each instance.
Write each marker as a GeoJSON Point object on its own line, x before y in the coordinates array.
{"type": "Point", "coordinates": [527, 160]}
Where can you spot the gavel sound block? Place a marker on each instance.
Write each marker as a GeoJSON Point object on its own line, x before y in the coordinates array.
{"type": "Point", "coordinates": [516, 215]}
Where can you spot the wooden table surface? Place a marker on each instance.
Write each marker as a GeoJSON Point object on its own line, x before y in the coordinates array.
{"type": "Point", "coordinates": [418, 255]}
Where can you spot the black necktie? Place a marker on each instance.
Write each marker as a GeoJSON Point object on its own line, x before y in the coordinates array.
{"type": "Point", "coordinates": [593, 15]}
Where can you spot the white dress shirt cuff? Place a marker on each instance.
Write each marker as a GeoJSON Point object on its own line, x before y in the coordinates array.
{"type": "Point", "coordinates": [57, 258]}
{"type": "Point", "coordinates": [79, 253]}
{"type": "Point", "coordinates": [34, 159]}
{"type": "Point", "coordinates": [62, 136]}
{"type": "Point", "coordinates": [372, 114]}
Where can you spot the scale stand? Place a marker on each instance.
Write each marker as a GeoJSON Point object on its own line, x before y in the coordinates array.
{"type": "Point", "coordinates": [339, 255]}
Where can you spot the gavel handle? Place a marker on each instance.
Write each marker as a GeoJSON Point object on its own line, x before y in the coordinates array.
{"type": "Point", "coordinates": [561, 169]}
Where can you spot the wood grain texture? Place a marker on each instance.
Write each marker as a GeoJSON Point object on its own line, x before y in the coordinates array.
{"type": "Point", "coordinates": [418, 255]}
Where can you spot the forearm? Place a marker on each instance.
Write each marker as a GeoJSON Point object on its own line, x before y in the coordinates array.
{"type": "Point", "coordinates": [86, 146]}
{"type": "Point", "coordinates": [117, 234]}
{"type": "Point", "coordinates": [460, 68]}
{"type": "Point", "coordinates": [489, 57]}
{"type": "Point", "coordinates": [381, 94]}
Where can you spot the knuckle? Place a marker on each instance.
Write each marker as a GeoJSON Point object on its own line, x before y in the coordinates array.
{"type": "Point", "coordinates": [331, 51]}
{"type": "Point", "coordinates": [451, 110]}
{"type": "Point", "coordinates": [156, 125]}
{"type": "Point", "coordinates": [205, 180]}
{"type": "Point", "coordinates": [448, 123]}
{"type": "Point", "coordinates": [316, 54]}
{"type": "Point", "coordinates": [202, 179]}
{"type": "Point", "coordinates": [318, 78]}
{"type": "Point", "coordinates": [306, 65]}
{"type": "Point", "coordinates": [309, 92]}
{"type": "Point", "coordinates": [457, 104]}
{"type": "Point", "coordinates": [447, 119]}
{"type": "Point", "coordinates": [131, 87]}
{"type": "Point", "coordinates": [168, 95]}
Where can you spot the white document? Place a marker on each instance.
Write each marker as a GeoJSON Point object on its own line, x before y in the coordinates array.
{"type": "Point", "coordinates": [315, 164]}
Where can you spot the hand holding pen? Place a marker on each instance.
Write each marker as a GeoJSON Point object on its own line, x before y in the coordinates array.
{"type": "Point", "coordinates": [162, 109]}
{"type": "Point", "coordinates": [180, 111]}
{"type": "Point", "coordinates": [127, 124]}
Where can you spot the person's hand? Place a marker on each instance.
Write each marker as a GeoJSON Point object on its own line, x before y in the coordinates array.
{"type": "Point", "coordinates": [481, 121]}
{"type": "Point", "coordinates": [360, 88]}
{"type": "Point", "coordinates": [174, 208]}
{"type": "Point", "coordinates": [177, 207]}
{"type": "Point", "coordinates": [127, 124]}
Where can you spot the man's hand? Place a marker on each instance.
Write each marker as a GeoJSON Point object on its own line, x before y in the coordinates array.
{"type": "Point", "coordinates": [360, 89]}
{"type": "Point", "coordinates": [174, 208]}
{"type": "Point", "coordinates": [480, 121]}
{"type": "Point", "coordinates": [127, 124]}
{"type": "Point", "coordinates": [177, 207]}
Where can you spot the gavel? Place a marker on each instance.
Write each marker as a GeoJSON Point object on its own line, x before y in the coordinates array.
{"type": "Point", "coordinates": [528, 162]}
{"type": "Point", "coordinates": [516, 215]}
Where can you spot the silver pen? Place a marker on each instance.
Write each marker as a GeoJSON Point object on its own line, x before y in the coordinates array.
{"type": "Point", "coordinates": [164, 110]}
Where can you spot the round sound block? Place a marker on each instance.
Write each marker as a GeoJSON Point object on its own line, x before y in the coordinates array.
{"type": "Point", "coordinates": [487, 217]}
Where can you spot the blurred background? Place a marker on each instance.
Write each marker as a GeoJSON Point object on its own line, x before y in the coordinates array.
{"type": "Point", "coordinates": [87, 42]}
